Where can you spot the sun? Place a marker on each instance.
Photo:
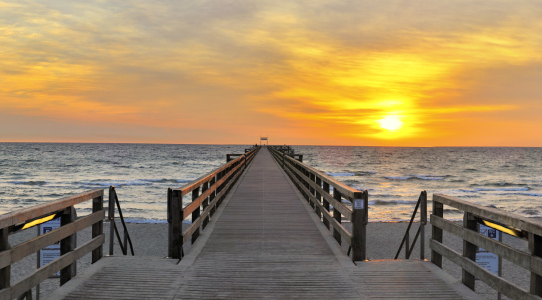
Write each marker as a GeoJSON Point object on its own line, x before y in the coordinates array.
{"type": "Point", "coordinates": [391, 123]}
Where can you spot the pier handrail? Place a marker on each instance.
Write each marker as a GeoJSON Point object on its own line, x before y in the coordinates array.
{"type": "Point", "coordinates": [513, 224]}
{"type": "Point", "coordinates": [208, 192]}
{"type": "Point", "coordinates": [114, 201]}
{"type": "Point", "coordinates": [422, 202]}
{"type": "Point", "coordinates": [69, 253]}
{"type": "Point", "coordinates": [316, 187]}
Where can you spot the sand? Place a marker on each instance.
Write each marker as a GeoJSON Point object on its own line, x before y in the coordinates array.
{"type": "Point", "coordinates": [382, 243]}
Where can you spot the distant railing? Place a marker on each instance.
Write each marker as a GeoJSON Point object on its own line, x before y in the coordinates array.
{"type": "Point", "coordinates": [316, 188]}
{"type": "Point", "coordinates": [113, 230]}
{"type": "Point", "coordinates": [513, 224]}
{"type": "Point", "coordinates": [422, 204]}
{"type": "Point", "coordinates": [69, 254]}
{"type": "Point", "coordinates": [207, 193]}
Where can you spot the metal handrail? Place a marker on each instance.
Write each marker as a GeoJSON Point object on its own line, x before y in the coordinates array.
{"type": "Point", "coordinates": [113, 199]}
{"type": "Point", "coordinates": [422, 200]}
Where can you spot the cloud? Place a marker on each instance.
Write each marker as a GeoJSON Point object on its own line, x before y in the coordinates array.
{"type": "Point", "coordinates": [320, 67]}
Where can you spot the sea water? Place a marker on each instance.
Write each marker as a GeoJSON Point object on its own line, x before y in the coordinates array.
{"type": "Point", "coordinates": [508, 178]}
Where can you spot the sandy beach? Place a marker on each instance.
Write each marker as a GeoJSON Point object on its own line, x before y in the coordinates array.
{"type": "Point", "coordinates": [382, 243]}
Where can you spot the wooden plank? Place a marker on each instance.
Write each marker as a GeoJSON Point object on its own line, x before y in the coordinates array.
{"type": "Point", "coordinates": [517, 257]}
{"type": "Point", "coordinates": [494, 214]}
{"type": "Point", "coordinates": [498, 283]}
{"type": "Point", "coordinates": [328, 198]}
{"type": "Point", "coordinates": [20, 216]}
{"type": "Point", "coordinates": [22, 250]}
{"type": "Point", "coordinates": [51, 268]}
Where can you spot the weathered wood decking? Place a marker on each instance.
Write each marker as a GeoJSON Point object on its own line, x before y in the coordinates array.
{"type": "Point", "coordinates": [263, 242]}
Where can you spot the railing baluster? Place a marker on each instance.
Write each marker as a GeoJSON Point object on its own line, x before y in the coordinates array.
{"type": "Point", "coordinates": [337, 215]}
{"type": "Point", "coordinates": [436, 258]}
{"type": "Point", "coordinates": [326, 204]}
{"type": "Point", "coordinates": [98, 228]}
{"type": "Point", "coordinates": [535, 248]}
{"type": "Point", "coordinates": [67, 244]}
{"type": "Point", "coordinates": [195, 214]}
{"type": "Point", "coordinates": [176, 227]}
{"type": "Point", "coordinates": [469, 250]}
{"type": "Point", "coordinates": [5, 273]}
{"type": "Point", "coordinates": [111, 217]}
{"type": "Point", "coordinates": [423, 222]}
{"type": "Point", "coordinates": [318, 196]}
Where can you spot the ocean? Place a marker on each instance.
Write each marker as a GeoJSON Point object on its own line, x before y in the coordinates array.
{"type": "Point", "coordinates": [508, 178]}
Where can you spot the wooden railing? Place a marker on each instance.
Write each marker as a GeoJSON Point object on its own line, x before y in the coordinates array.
{"type": "Point", "coordinates": [513, 224]}
{"type": "Point", "coordinates": [207, 194]}
{"type": "Point", "coordinates": [422, 204]}
{"type": "Point", "coordinates": [69, 254]}
{"type": "Point", "coordinates": [316, 188]}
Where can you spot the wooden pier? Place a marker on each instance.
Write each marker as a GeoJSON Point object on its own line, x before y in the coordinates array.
{"type": "Point", "coordinates": [256, 236]}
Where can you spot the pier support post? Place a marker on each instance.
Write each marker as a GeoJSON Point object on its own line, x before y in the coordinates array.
{"type": "Point", "coordinates": [111, 217]}
{"type": "Point", "coordinates": [175, 239]}
{"type": "Point", "coordinates": [67, 244]}
{"type": "Point", "coordinates": [337, 215]}
{"type": "Point", "coordinates": [535, 247]}
{"type": "Point", "coordinates": [469, 250]}
{"type": "Point", "coordinates": [359, 225]}
{"type": "Point", "coordinates": [436, 258]}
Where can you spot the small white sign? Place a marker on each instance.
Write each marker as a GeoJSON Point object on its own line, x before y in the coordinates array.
{"type": "Point", "coordinates": [358, 203]}
{"type": "Point", "coordinates": [484, 258]}
{"type": "Point", "coordinates": [51, 252]}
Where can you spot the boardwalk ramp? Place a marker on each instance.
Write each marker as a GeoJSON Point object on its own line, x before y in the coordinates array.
{"type": "Point", "coordinates": [264, 242]}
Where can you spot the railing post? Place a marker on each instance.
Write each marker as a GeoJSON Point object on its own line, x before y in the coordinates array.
{"type": "Point", "coordinates": [337, 215]}
{"type": "Point", "coordinates": [436, 258]}
{"type": "Point", "coordinates": [326, 204]}
{"type": "Point", "coordinates": [212, 197]}
{"type": "Point", "coordinates": [175, 240]}
{"type": "Point", "coordinates": [67, 244]}
{"type": "Point", "coordinates": [310, 188]}
{"type": "Point", "coordinates": [204, 204]}
{"type": "Point", "coordinates": [98, 228]}
{"type": "Point", "coordinates": [359, 229]}
{"type": "Point", "coordinates": [5, 273]}
{"type": "Point", "coordinates": [318, 197]}
{"type": "Point", "coordinates": [283, 155]}
{"type": "Point", "coordinates": [535, 247]}
{"type": "Point", "coordinates": [407, 244]}
{"type": "Point", "coordinates": [423, 222]}
{"type": "Point", "coordinates": [195, 214]}
{"type": "Point", "coordinates": [111, 217]}
{"type": "Point", "coordinates": [469, 250]}
{"type": "Point", "coordinates": [169, 198]}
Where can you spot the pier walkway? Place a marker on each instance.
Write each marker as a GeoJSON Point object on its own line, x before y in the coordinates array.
{"type": "Point", "coordinates": [264, 241]}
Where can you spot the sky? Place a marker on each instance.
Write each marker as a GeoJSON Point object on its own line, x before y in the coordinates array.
{"type": "Point", "coordinates": [364, 73]}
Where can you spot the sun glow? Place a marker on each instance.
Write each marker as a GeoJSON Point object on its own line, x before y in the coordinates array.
{"type": "Point", "coordinates": [391, 123]}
